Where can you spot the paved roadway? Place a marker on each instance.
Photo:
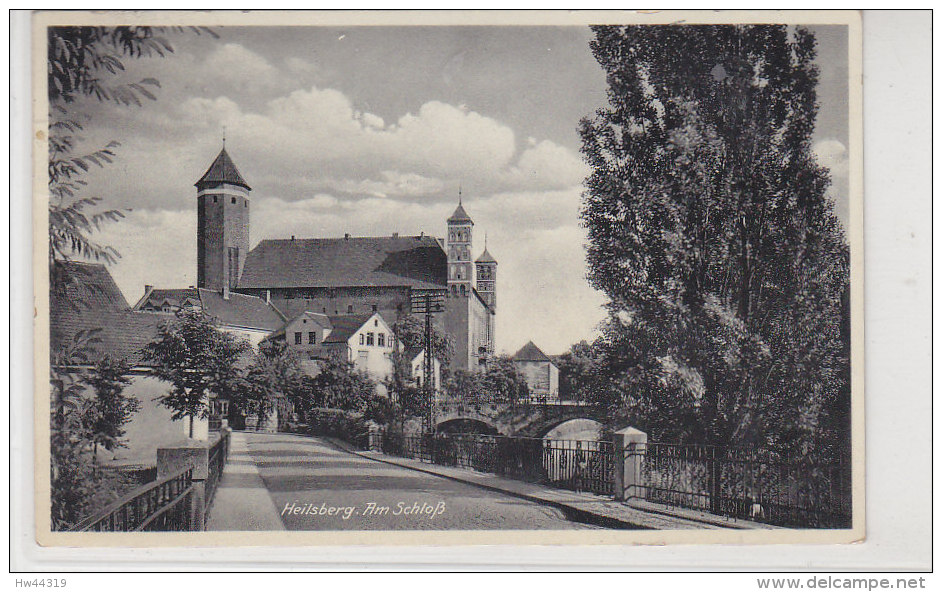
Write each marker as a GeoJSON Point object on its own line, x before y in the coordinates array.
{"type": "Point", "coordinates": [317, 486]}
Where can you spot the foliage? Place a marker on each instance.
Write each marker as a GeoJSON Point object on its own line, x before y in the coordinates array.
{"type": "Point", "coordinates": [337, 423]}
{"type": "Point", "coordinates": [410, 332]}
{"type": "Point", "coordinates": [198, 361]}
{"type": "Point", "coordinates": [710, 232]}
{"type": "Point", "coordinates": [503, 381]}
{"type": "Point", "coordinates": [84, 62]}
{"type": "Point", "coordinates": [274, 380]}
{"type": "Point", "coordinates": [111, 409]}
{"type": "Point", "coordinates": [339, 385]}
{"type": "Point", "coordinates": [500, 381]}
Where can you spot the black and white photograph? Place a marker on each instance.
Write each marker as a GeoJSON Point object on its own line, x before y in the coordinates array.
{"type": "Point", "coordinates": [310, 276]}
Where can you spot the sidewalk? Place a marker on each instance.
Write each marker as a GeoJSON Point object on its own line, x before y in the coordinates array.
{"type": "Point", "coordinates": [242, 501]}
{"type": "Point", "coordinates": [581, 507]}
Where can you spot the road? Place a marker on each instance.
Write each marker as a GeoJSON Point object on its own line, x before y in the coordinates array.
{"type": "Point", "coordinates": [317, 486]}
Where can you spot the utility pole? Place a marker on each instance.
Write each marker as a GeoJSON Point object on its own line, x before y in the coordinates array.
{"type": "Point", "coordinates": [428, 304]}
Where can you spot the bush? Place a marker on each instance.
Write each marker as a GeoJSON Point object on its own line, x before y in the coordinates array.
{"type": "Point", "coordinates": [336, 423]}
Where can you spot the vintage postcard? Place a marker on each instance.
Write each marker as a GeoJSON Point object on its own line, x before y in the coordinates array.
{"type": "Point", "coordinates": [449, 277]}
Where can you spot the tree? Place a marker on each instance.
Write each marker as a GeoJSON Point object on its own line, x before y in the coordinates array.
{"type": "Point", "coordinates": [502, 381]}
{"type": "Point", "coordinates": [111, 409]}
{"type": "Point", "coordinates": [339, 385]}
{"type": "Point", "coordinates": [198, 360]}
{"type": "Point", "coordinates": [85, 62]}
{"type": "Point", "coordinates": [710, 233]}
{"type": "Point", "coordinates": [72, 475]}
{"type": "Point", "coordinates": [410, 333]}
{"type": "Point", "coordinates": [273, 381]}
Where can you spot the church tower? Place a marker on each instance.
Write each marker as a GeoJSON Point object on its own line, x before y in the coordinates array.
{"type": "Point", "coordinates": [487, 278]}
{"type": "Point", "coordinates": [222, 234]}
{"type": "Point", "coordinates": [460, 272]}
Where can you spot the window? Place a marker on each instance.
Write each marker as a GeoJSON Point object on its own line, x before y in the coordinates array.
{"type": "Point", "coordinates": [463, 291]}
{"type": "Point", "coordinates": [381, 339]}
{"type": "Point", "coordinates": [297, 338]}
{"type": "Point", "coordinates": [312, 337]}
{"type": "Point", "coordinates": [374, 308]}
{"type": "Point", "coordinates": [246, 202]}
{"type": "Point", "coordinates": [233, 200]}
{"type": "Point", "coordinates": [362, 339]}
{"type": "Point", "coordinates": [215, 199]}
{"type": "Point", "coordinates": [369, 338]}
{"type": "Point", "coordinates": [454, 290]}
{"type": "Point", "coordinates": [349, 309]}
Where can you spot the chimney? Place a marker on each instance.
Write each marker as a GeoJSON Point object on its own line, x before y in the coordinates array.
{"type": "Point", "coordinates": [225, 292]}
{"type": "Point", "coordinates": [422, 234]}
{"type": "Point", "coordinates": [346, 236]}
{"type": "Point", "coordinates": [395, 235]}
{"type": "Point", "coordinates": [292, 237]}
{"type": "Point", "coordinates": [148, 288]}
{"type": "Point", "coordinates": [267, 296]}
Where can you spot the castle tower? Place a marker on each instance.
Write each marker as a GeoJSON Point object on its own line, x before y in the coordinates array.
{"type": "Point", "coordinates": [487, 278]}
{"type": "Point", "coordinates": [222, 234]}
{"type": "Point", "coordinates": [460, 272]}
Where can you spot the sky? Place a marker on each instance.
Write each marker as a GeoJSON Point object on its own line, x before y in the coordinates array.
{"type": "Point", "coordinates": [371, 131]}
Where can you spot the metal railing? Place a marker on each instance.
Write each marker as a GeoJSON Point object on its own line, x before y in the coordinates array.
{"type": "Point", "coordinates": [174, 503]}
{"type": "Point", "coordinates": [163, 505]}
{"type": "Point", "coordinates": [217, 463]}
{"type": "Point", "coordinates": [569, 464]}
{"type": "Point", "coordinates": [749, 484]}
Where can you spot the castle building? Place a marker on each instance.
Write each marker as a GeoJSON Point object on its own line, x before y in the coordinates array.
{"type": "Point", "coordinates": [348, 275]}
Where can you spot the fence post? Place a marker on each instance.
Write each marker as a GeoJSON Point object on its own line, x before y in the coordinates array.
{"type": "Point", "coordinates": [170, 459]}
{"type": "Point", "coordinates": [629, 454]}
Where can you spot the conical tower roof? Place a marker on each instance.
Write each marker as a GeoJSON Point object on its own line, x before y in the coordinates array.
{"type": "Point", "coordinates": [486, 257]}
{"type": "Point", "coordinates": [223, 170]}
{"type": "Point", "coordinates": [460, 216]}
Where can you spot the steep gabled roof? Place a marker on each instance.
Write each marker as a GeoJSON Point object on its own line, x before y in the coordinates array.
{"type": "Point", "coordinates": [412, 261]}
{"type": "Point", "coordinates": [531, 353]}
{"type": "Point", "coordinates": [91, 301]}
{"type": "Point", "coordinates": [344, 326]}
{"type": "Point", "coordinates": [223, 170]}
{"type": "Point", "coordinates": [316, 316]}
{"type": "Point", "coordinates": [86, 285]}
{"type": "Point", "coordinates": [460, 216]}
{"type": "Point", "coordinates": [411, 353]}
{"type": "Point", "coordinates": [240, 310]}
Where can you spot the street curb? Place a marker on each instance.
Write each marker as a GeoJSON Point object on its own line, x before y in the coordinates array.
{"type": "Point", "coordinates": [572, 513]}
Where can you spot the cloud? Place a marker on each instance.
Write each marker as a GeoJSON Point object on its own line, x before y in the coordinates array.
{"type": "Point", "coordinates": [316, 140]}
{"type": "Point", "coordinates": [232, 60]}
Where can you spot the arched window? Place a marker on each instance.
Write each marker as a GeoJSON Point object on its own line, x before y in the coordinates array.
{"type": "Point", "coordinates": [463, 291]}
{"type": "Point", "coordinates": [454, 290]}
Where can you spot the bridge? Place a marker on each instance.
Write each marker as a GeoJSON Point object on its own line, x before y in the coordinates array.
{"type": "Point", "coordinates": [533, 420]}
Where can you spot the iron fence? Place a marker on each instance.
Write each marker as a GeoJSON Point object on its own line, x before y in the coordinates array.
{"type": "Point", "coordinates": [749, 484]}
{"type": "Point", "coordinates": [570, 464]}
{"type": "Point", "coordinates": [169, 504]}
{"type": "Point", "coordinates": [163, 505]}
{"type": "Point", "coordinates": [218, 454]}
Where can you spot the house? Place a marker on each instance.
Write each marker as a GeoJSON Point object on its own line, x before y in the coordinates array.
{"type": "Point", "coordinates": [366, 341]}
{"type": "Point", "coordinates": [541, 374]}
{"type": "Point", "coordinates": [415, 356]}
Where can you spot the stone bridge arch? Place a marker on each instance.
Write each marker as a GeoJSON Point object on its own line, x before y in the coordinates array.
{"type": "Point", "coordinates": [533, 421]}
